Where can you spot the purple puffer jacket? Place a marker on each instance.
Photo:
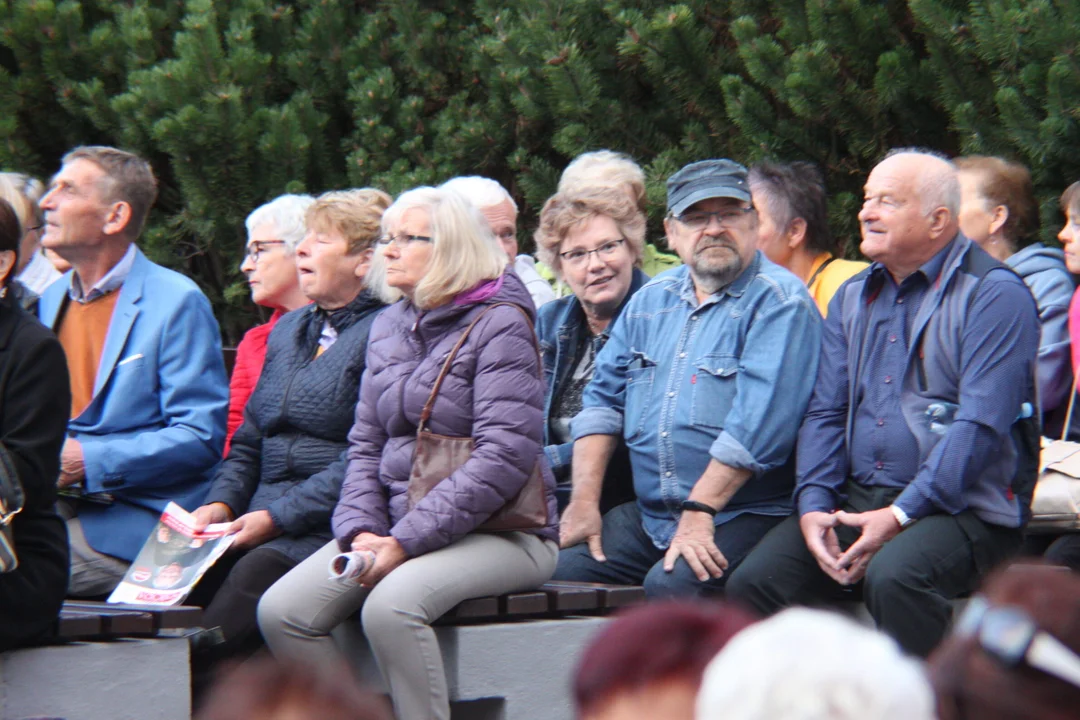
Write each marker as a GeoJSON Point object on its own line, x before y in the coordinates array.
{"type": "Point", "coordinates": [493, 393]}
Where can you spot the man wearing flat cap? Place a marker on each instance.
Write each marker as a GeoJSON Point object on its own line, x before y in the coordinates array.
{"type": "Point", "coordinates": [706, 376]}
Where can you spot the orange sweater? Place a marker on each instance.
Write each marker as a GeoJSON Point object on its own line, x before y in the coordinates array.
{"type": "Point", "coordinates": [82, 332]}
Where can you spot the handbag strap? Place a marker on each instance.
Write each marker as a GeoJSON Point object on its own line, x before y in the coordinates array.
{"type": "Point", "coordinates": [425, 414]}
{"type": "Point", "coordinates": [1069, 412]}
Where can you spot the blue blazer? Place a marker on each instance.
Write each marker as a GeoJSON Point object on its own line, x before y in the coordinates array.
{"type": "Point", "coordinates": [155, 428]}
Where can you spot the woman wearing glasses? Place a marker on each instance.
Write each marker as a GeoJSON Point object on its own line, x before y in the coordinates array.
{"type": "Point", "coordinates": [273, 232]}
{"type": "Point", "coordinates": [441, 256]}
{"type": "Point", "coordinates": [592, 237]}
{"type": "Point", "coordinates": [34, 407]}
{"type": "Point", "coordinates": [281, 478]}
{"type": "Point", "coordinates": [34, 272]}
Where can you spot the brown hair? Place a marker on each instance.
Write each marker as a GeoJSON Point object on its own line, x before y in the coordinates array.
{"type": "Point", "coordinates": [267, 690]}
{"type": "Point", "coordinates": [972, 685]}
{"type": "Point", "coordinates": [10, 237]}
{"type": "Point", "coordinates": [565, 210]}
{"type": "Point", "coordinates": [1003, 182]}
{"type": "Point", "coordinates": [355, 214]}
{"type": "Point", "coordinates": [1070, 199]}
{"type": "Point", "coordinates": [130, 179]}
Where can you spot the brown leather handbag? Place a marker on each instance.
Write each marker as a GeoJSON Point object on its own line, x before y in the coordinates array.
{"type": "Point", "coordinates": [437, 456]}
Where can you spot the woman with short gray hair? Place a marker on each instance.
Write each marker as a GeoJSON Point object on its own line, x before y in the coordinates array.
{"type": "Point", "coordinates": [273, 232]}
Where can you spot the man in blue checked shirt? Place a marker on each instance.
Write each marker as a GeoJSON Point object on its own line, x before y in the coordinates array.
{"type": "Point", "coordinates": [919, 450]}
{"type": "Point", "coordinates": [706, 376]}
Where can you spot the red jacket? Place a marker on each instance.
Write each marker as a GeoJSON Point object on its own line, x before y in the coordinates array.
{"type": "Point", "coordinates": [250, 354]}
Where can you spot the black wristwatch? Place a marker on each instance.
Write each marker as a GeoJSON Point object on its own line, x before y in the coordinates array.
{"type": "Point", "coordinates": [696, 506]}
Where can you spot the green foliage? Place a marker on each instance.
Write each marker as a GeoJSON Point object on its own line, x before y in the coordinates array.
{"type": "Point", "coordinates": [237, 101]}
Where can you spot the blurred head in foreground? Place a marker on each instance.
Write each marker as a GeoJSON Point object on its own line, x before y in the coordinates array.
{"type": "Point", "coordinates": [1013, 653]}
{"type": "Point", "coordinates": [265, 689]}
{"type": "Point", "coordinates": [648, 662]}
{"type": "Point", "coordinates": [804, 664]}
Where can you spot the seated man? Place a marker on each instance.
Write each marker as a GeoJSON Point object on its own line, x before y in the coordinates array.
{"type": "Point", "coordinates": [148, 383]}
{"type": "Point", "coordinates": [501, 212]}
{"type": "Point", "coordinates": [914, 472]}
{"type": "Point", "coordinates": [705, 375]}
{"type": "Point", "coordinates": [793, 227]}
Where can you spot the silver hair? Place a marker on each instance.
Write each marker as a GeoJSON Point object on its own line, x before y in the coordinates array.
{"type": "Point", "coordinates": [805, 664]}
{"type": "Point", "coordinates": [938, 182]}
{"type": "Point", "coordinates": [480, 191]}
{"type": "Point", "coordinates": [286, 213]}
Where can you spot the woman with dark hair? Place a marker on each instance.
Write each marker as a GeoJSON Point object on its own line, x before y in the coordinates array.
{"type": "Point", "coordinates": [35, 399]}
{"type": "Point", "coordinates": [1014, 654]}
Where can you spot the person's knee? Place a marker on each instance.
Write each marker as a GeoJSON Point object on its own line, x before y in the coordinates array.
{"type": "Point", "coordinates": [574, 564]}
{"type": "Point", "coordinates": [679, 583]}
{"type": "Point", "coordinates": [886, 576]}
{"type": "Point", "coordinates": [273, 611]}
{"type": "Point", "coordinates": [381, 618]}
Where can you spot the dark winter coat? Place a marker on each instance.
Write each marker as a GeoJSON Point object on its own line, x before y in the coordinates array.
{"type": "Point", "coordinates": [287, 457]}
{"type": "Point", "coordinates": [34, 406]}
{"type": "Point", "coordinates": [493, 393]}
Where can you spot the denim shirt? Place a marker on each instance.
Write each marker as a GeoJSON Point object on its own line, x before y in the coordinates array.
{"type": "Point", "coordinates": [728, 379]}
{"type": "Point", "coordinates": [559, 325]}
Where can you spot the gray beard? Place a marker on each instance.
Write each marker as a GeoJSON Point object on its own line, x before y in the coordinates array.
{"type": "Point", "coordinates": [711, 280]}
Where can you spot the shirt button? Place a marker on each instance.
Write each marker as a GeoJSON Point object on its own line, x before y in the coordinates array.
{"type": "Point", "coordinates": [888, 379]}
{"type": "Point", "coordinates": [899, 301]}
{"type": "Point", "coordinates": [682, 355]}
{"type": "Point", "coordinates": [667, 474]}
{"type": "Point", "coordinates": [880, 422]}
{"type": "Point", "coordinates": [671, 394]}
{"type": "Point", "coordinates": [663, 434]}
{"type": "Point", "coordinates": [879, 465]}
{"type": "Point", "coordinates": [892, 338]}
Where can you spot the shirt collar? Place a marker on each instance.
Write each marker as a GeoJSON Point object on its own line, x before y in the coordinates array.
{"type": "Point", "coordinates": [111, 281]}
{"type": "Point", "coordinates": [930, 270]}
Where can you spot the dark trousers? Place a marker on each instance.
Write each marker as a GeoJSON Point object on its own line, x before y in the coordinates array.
{"type": "Point", "coordinates": [633, 559]}
{"type": "Point", "coordinates": [230, 592]}
{"type": "Point", "coordinates": [908, 583]}
{"type": "Point", "coordinates": [1065, 550]}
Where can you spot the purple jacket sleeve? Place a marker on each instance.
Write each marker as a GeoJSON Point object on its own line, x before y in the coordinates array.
{"type": "Point", "coordinates": [508, 416]}
{"type": "Point", "coordinates": [362, 506]}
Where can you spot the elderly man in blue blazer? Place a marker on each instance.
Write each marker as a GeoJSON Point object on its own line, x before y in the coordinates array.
{"type": "Point", "coordinates": [144, 352]}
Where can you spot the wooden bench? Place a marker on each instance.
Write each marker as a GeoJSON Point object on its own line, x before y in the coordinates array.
{"type": "Point", "coordinates": [510, 657]}
{"type": "Point", "coordinates": [104, 662]}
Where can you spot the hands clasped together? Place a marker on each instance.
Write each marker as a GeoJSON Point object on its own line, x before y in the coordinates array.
{"type": "Point", "coordinates": [847, 567]}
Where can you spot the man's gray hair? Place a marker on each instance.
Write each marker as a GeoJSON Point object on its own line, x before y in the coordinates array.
{"type": "Point", "coordinates": [286, 213]}
{"type": "Point", "coordinates": [939, 181]}
{"type": "Point", "coordinates": [805, 664]}
{"type": "Point", "coordinates": [482, 192]}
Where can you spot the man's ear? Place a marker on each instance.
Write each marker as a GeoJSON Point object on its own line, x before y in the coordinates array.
{"type": "Point", "coordinates": [1001, 216]}
{"type": "Point", "coordinates": [796, 233]}
{"type": "Point", "coordinates": [940, 219]}
{"type": "Point", "coordinates": [364, 265]}
{"type": "Point", "coordinates": [117, 219]}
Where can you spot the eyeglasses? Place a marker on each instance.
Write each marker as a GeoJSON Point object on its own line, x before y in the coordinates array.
{"type": "Point", "coordinates": [402, 240]}
{"type": "Point", "coordinates": [256, 248]}
{"type": "Point", "coordinates": [604, 252]}
{"type": "Point", "coordinates": [1009, 634]}
{"type": "Point", "coordinates": [698, 220]}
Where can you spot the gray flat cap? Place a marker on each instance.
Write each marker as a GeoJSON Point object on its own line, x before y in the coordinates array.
{"type": "Point", "coordinates": [706, 179]}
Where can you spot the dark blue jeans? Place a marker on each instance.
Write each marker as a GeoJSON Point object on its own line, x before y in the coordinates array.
{"type": "Point", "coordinates": [632, 559]}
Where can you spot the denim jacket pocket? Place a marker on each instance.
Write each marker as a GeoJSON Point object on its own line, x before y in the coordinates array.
{"type": "Point", "coordinates": [640, 374]}
{"type": "Point", "coordinates": [713, 391]}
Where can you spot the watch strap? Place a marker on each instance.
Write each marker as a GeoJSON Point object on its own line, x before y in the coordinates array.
{"type": "Point", "coordinates": [695, 506]}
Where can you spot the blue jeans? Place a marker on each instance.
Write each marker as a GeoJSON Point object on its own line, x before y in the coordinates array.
{"type": "Point", "coordinates": [632, 559]}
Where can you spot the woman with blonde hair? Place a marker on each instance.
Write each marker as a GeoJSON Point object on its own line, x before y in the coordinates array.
{"type": "Point", "coordinates": [281, 478]}
{"type": "Point", "coordinates": [428, 552]}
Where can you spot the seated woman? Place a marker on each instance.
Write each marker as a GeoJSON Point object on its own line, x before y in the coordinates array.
{"type": "Point", "coordinates": [998, 211]}
{"type": "Point", "coordinates": [441, 255]}
{"type": "Point", "coordinates": [34, 272]}
{"type": "Point", "coordinates": [273, 232]}
{"type": "Point", "coordinates": [281, 479]}
{"type": "Point", "coordinates": [34, 405]}
{"type": "Point", "coordinates": [593, 239]}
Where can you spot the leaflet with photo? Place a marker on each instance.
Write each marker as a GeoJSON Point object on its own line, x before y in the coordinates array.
{"type": "Point", "coordinates": [172, 560]}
